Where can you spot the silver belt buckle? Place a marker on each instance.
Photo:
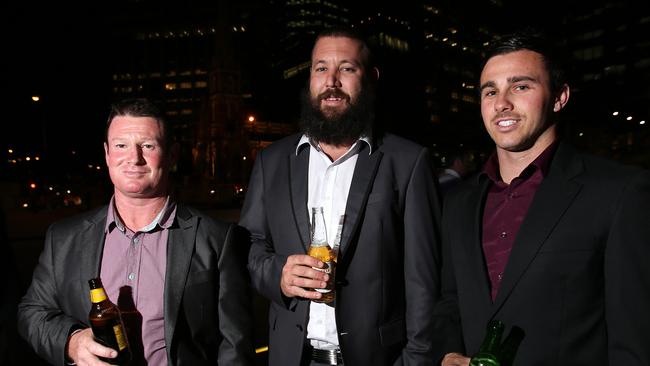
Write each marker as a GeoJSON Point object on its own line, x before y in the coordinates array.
{"type": "Point", "coordinates": [328, 357]}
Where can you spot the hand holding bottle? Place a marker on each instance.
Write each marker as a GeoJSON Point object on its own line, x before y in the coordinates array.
{"type": "Point", "coordinates": [299, 277]}
{"type": "Point", "coordinates": [82, 348]}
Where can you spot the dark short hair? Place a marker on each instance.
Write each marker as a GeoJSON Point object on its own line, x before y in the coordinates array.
{"type": "Point", "coordinates": [140, 107]}
{"type": "Point", "coordinates": [536, 41]}
{"type": "Point", "coordinates": [344, 32]}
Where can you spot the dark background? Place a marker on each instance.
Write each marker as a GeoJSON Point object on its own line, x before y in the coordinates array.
{"type": "Point", "coordinates": [67, 53]}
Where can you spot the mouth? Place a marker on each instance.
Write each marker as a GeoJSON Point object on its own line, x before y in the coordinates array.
{"type": "Point", "coordinates": [131, 173]}
{"type": "Point", "coordinates": [334, 97]}
{"type": "Point", "coordinates": [506, 122]}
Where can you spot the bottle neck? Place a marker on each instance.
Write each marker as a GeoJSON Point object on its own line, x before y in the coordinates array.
{"type": "Point", "coordinates": [97, 295]}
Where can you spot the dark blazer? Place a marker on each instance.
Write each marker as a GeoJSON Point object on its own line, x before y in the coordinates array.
{"type": "Point", "coordinates": [577, 280]}
{"type": "Point", "coordinates": [207, 295]}
{"type": "Point", "coordinates": [387, 272]}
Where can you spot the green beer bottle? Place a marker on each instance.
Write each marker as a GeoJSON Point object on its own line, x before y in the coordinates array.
{"type": "Point", "coordinates": [508, 349]}
{"type": "Point", "coordinates": [487, 353]}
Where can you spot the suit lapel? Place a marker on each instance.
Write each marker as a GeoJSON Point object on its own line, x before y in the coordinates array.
{"type": "Point", "coordinates": [298, 178]}
{"type": "Point", "coordinates": [92, 249]}
{"type": "Point", "coordinates": [553, 198]}
{"type": "Point", "coordinates": [364, 174]}
{"type": "Point", "coordinates": [182, 237]}
{"type": "Point", "coordinates": [471, 259]}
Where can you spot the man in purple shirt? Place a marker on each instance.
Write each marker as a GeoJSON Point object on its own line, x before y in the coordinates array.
{"type": "Point", "coordinates": [180, 274]}
{"type": "Point", "coordinates": [545, 238]}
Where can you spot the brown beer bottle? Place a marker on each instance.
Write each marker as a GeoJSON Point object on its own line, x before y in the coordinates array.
{"type": "Point", "coordinates": [107, 325]}
{"type": "Point", "coordinates": [320, 249]}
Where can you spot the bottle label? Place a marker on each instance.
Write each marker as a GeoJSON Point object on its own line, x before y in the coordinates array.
{"type": "Point", "coordinates": [97, 295]}
{"type": "Point", "coordinates": [119, 336]}
{"type": "Point", "coordinates": [328, 270]}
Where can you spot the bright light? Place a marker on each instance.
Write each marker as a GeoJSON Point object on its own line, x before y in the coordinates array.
{"type": "Point", "coordinates": [98, 167]}
{"type": "Point", "coordinates": [581, 134]}
{"type": "Point", "coordinates": [212, 191]}
{"type": "Point", "coordinates": [37, 158]}
{"type": "Point", "coordinates": [32, 185]}
{"type": "Point", "coordinates": [28, 158]}
{"type": "Point", "coordinates": [615, 114]}
{"type": "Point", "coordinates": [243, 158]}
{"type": "Point", "coordinates": [51, 188]}
{"type": "Point", "coordinates": [10, 151]}
{"type": "Point", "coordinates": [251, 118]}
{"type": "Point", "coordinates": [25, 205]}
{"type": "Point", "coordinates": [642, 122]}
{"type": "Point", "coordinates": [36, 98]}
{"type": "Point", "coordinates": [629, 118]}
{"type": "Point", "coordinates": [68, 191]}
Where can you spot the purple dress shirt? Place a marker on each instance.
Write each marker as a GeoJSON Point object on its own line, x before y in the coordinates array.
{"type": "Point", "coordinates": [506, 206]}
{"type": "Point", "coordinates": [139, 259]}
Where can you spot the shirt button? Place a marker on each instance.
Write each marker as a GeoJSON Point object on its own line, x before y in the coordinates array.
{"type": "Point", "coordinates": [131, 276]}
{"type": "Point", "coordinates": [499, 277]}
{"type": "Point", "coordinates": [503, 234]}
{"type": "Point", "coordinates": [136, 240]}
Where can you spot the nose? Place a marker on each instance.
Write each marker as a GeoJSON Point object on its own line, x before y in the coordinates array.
{"type": "Point", "coordinates": [503, 103]}
{"type": "Point", "coordinates": [135, 155]}
{"type": "Point", "coordinates": [333, 80]}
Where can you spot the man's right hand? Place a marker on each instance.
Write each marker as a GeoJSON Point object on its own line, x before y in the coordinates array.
{"type": "Point", "coordinates": [455, 359]}
{"type": "Point", "coordinates": [299, 278]}
{"type": "Point", "coordinates": [84, 351]}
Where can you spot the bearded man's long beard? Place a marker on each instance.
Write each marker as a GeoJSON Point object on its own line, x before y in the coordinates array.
{"type": "Point", "coordinates": [334, 127]}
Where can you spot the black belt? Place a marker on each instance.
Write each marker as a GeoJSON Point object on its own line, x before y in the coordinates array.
{"type": "Point", "coordinates": [327, 357]}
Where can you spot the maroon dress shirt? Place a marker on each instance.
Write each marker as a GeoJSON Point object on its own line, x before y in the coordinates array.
{"type": "Point", "coordinates": [506, 206]}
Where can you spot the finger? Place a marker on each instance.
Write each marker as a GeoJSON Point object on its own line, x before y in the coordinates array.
{"type": "Point", "coordinates": [309, 273]}
{"type": "Point", "coordinates": [308, 294]}
{"type": "Point", "coordinates": [455, 359]}
{"type": "Point", "coordinates": [101, 350]}
{"type": "Point", "coordinates": [305, 260]}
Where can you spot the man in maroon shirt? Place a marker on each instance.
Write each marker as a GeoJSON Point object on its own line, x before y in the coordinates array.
{"type": "Point", "coordinates": [545, 238]}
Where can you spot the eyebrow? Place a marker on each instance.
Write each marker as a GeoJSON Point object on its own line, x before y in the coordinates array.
{"type": "Point", "coordinates": [355, 63]}
{"type": "Point", "coordinates": [511, 80]}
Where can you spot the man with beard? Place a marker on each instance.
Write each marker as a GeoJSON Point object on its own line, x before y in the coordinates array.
{"type": "Point", "coordinates": [386, 280]}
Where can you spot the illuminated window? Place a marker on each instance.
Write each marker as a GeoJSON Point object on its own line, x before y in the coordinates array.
{"type": "Point", "coordinates": [170, 86]}
{"type": "Point", "coordinates": [186, 111]}
{"type": "Point", "coordinates": [186, 85]}
{"type": "Point", "coordinates": [201, 84]}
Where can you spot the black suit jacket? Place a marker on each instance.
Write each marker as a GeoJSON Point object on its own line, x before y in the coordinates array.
{"type": "Point", "coordinates": [577, 280]}
{"type": "Point", "coordinates": [207, 299]}
{"type": "Point", "coordinates": [387, 273]}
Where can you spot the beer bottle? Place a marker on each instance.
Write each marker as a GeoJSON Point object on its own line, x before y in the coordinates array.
{"type": "Point", "coordinates": [132, 320]}
{"type": "Point", "coordinates": [508, 348]}
{"type": "Point", "coordinates": [320, 249]}
{"type": "Point", "coordinates": [487, 353]}
{"type": "Point", "coordinates": [107, 325]}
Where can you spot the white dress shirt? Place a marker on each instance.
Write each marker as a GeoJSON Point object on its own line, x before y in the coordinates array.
{"type": "Point", "coordinates": [328, 187]}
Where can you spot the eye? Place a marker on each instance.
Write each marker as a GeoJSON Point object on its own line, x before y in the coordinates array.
{"type": "Point", "coordinates": [521, 87]}
{"type": "Point", "coordinates": [320, 69]}
{"type": "Point", "coordinates": [120, 146]}
{"type": "Point", "coordinates": [348, 69]}
{"type": "Point", "coordinates": [148, 146]}
{"type": "Point", "coordinates": [489, 93]}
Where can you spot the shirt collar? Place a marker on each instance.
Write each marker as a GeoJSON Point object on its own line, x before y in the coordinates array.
{"type": "Point", "coordinates": [541, 162]}
{"type": "Point", "coordinates": [164, 219]}
{"type": "Point", "coordinates": [306, 140]}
